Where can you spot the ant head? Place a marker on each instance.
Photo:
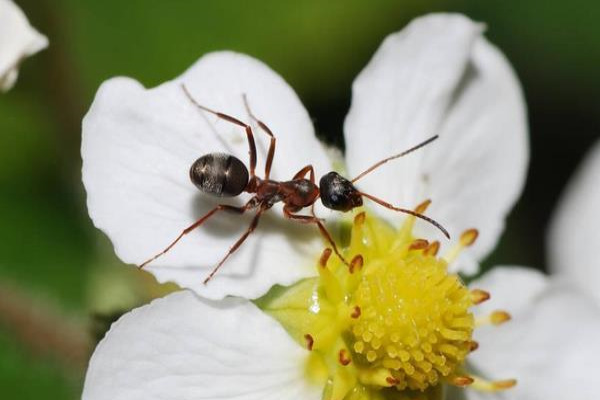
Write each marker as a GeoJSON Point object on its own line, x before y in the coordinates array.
{"type": "Point", "coordinates": [338, 193]}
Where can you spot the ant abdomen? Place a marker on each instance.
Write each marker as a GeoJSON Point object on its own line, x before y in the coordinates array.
{"type": "Point", "coordinates": [219, 174]}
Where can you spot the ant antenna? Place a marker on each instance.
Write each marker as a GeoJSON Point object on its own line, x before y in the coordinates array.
{"type": "Point", "coordinates": [405, 152]}
{"type": "Point", "coordinates": [407, 211]}
{"type": "Point", "coordinates": [388, 205]}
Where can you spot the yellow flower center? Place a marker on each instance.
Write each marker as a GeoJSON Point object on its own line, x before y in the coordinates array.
{"type": "Point", "coordinates": [415, 321]}
{"type": "Point", "coordinates": [390, 323]}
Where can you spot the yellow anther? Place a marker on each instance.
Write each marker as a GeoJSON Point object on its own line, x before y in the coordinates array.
{"type": "Point", "coordinates": [432, 249]}
{"type": "Point", "coordinates": [492, 386]}
{"type": "Point", "coordinates": [494, 318]}
{"type": "Point", "coordinates": [499, 317]}
{"type": "Point", "coordinates": [343, 357]}
{"type": "Point", "coordinates": [309, 341]}
{"type": "Point", "coordinates": [473, 345]}
{"type": "Point", "coordinates": [479, 296]}
{"type": "Point", "coordinates": [461, 381]}
{"type": "Point", "coordinates": [467, 238]}
{"type": "Point", "coordinates": [418, 244]}
{"type": "Point", "coordinates": [374, 377]}
{"type": "Point", "coordinates": [421, 208]}
{"type": "Point", "coordinates": [356, 264]}
{"type": "Point", "coordinates": [359, 219]}
{"type": "Point", "coordinates": [325, 257]}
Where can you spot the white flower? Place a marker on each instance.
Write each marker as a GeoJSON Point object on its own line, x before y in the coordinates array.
{"type": "Point", "coordinates": [552, 343]}
{"type": "Point", "coordinates": [18, 40]}
{"type": "Point", "coordinates": [437, 76]}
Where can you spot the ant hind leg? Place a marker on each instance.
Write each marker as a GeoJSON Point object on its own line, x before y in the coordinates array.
{"type": "Point", "coordinates": [233, 120]}
{"type": "Point", "coordinates": [220, 207]}
{"type": "Point", "coordinates": [268, 131]}
{"type": "Point", "coordinates": [237, 244]}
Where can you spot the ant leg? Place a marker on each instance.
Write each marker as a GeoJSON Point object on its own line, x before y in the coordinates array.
{"type": "Point", "coordinates": [301, 174]}
{"type": "Point", "coordinates": [237, 244]}
{"type": "Point", "coordinates": [220, 207]}
{"type": "Point", "coordinates": [307, 219]}
{"type": "Point", "coordinates": [306, 170]}
{"type": "Point", "coordinates": [407, 211]}
{"type": "Point", "coordinates": [233, 120]}
{"type": "Point", "coordinates": [266, 129]}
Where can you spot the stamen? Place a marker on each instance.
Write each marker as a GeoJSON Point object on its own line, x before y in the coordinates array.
{"type": "Point", "coordinates": [343, 358]}
{"type": "Point", "coordinates": [356, 263]}
{"type": "Point", "coordinates": [478, 296]}
{"type": "Point", "coordinates": [357, 232]}
{"type": "Point", "coordinates": [421, 208]}
{"type": "Point", "coordinates": [359, 219]}
{"type": "Point", "coordinates": [309, 341]}
{"type": "Point", "coordinates": [467, 239]}
{"type": "Point", "coordinates": [492, 386]}
{"type": "Point", "coordinates": [418, 244]}
{"type": "Point", "coordinates": [325, 257]}
{"type": "Point", "coordinates": [432, 249]}
{"type": "Point", "coordinates": [461, 381]}
{"type": "Point", "coordinates": [495, 318]}
{"type": "Point", "coordinates": [375, 377]}
{"type": "Point", "coordinates": [392, 381]}
{"type": "Point", "coordinates": [473, 345]}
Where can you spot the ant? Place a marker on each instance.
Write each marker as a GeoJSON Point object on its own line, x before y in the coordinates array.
{"type": "Point", "coordinates": [224, 175]}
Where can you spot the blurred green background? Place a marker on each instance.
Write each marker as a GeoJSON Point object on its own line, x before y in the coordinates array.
{"type": "Point", "coordinates": [60, 282]}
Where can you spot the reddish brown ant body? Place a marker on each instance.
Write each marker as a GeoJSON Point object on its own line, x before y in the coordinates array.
{"type": "Point", "coordinates": [224, 175]}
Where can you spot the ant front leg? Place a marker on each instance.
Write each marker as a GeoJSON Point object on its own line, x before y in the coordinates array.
{"type": "Point", "coordinates": [233, 120]}
{"type": "Point", "coordinates": [307, 219]}
{"type": "Point", "coordinates": [300, 175]}
{"type": "Point", "coordinates": [306, 170]}
{"type": "Point", "coordinates": [221, 207]}
{"type": "Point", "coordinates": [265, 129]}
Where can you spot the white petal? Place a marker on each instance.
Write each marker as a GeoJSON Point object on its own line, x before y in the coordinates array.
{"type": "Point", "coordinates": [18, 39]}
{"type": "Point", "coordinates": [138, 146]}
{"type": "Point", "coordinates": [503, 282]}
{"type": "Point", "coordinates": [440, 76]}
{"type": "Point", "coordinates": [574, 236]}
{"type": "Point", "coordinates": [182, 347]}
{"type": "Point", "coordinates": [550, 346]}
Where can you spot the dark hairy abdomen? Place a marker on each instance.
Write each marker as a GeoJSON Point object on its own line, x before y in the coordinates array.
{"type": "Point", "coordinates": [219, 174]}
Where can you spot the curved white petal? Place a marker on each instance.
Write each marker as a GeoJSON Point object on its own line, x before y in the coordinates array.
{"type": "Point", "coordinates": [551, 344]}
{"type": "Point", "coordinates": [574, 236]}
{"type": "Point", "coordinates": [18, 39]}
{"type": "Point", "coordinates": [138, 145]}
{"type": "Point", "coordinates": [184, 348]}
{"type": "Point", "coordinates": [440, 76]}
{"type": "Point", "coordinates": [511, 288]}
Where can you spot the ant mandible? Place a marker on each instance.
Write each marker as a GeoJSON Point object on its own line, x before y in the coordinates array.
{"type": "Point", "coordinates": [224, 175]}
